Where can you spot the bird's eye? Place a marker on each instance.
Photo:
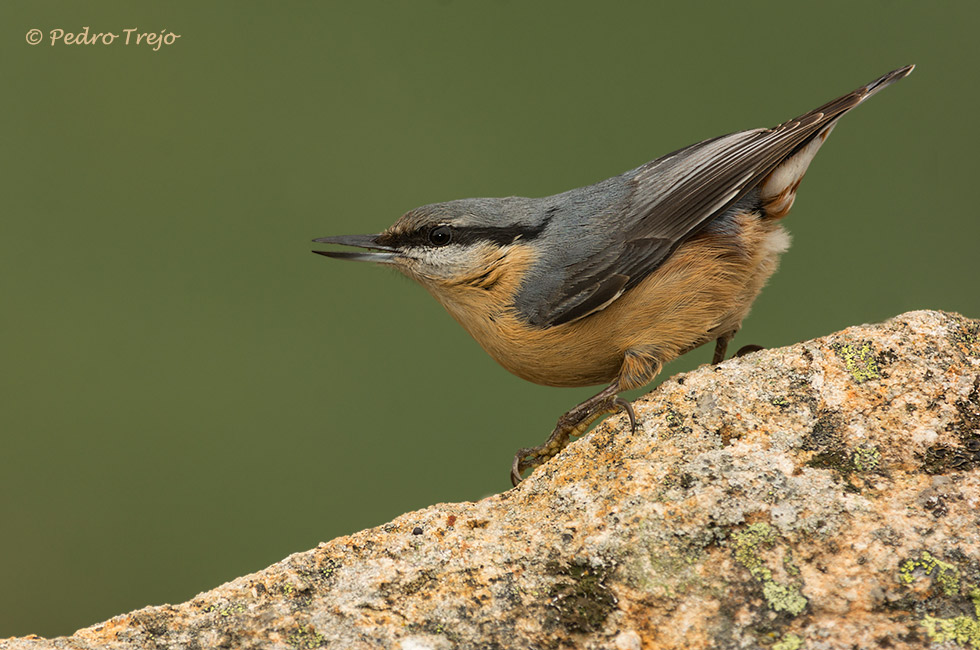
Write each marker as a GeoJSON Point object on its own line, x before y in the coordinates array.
{"type": "Point", "coordinates": [440, 235]}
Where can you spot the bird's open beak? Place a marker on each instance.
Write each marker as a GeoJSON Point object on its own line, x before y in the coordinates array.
{"type": "Point", "coordinates": [375, 253]}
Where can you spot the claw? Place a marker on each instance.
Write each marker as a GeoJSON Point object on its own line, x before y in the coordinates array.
{"type": "Point", "coordinates": [721, 345]}
{"type": "Point", "coordinates": [515, 467]}
{"type": "Point", "coordinates": [748, 349]}
{"type": "Point", "coordinates": [530, 457]}
{"type": "Point", "coordinates": [626, 406]}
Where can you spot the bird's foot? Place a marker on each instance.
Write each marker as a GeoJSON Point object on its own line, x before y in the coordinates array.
{"type": "Point", "coordinates": [574, 423]}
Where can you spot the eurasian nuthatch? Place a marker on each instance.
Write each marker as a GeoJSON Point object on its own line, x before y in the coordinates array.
{"type": "Point", "coordinates": [607, 283]}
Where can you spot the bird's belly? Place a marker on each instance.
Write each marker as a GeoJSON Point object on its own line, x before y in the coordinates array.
{"type": "Point", "coordinates": [703, 290]}
{"type": "Point", "coordinates": [574, 354]}
{"type": "Point", "coordinates": [555, 359]}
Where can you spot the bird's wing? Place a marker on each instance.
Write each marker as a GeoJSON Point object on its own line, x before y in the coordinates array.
{"type": "Point", "coordinates": [674, 196]}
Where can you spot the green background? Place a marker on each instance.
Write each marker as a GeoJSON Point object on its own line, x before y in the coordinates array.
{"type": "Point", "coordinates": [189, 395]}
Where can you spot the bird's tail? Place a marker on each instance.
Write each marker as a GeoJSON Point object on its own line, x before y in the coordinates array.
{"type": "Point", "coordinates": [778, 189]}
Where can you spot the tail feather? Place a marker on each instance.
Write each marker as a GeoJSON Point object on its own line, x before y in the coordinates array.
{"type": "Point", "coordinates": [778, 189]}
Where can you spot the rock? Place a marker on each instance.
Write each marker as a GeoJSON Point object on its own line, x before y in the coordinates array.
{"type": "Point", "coordinates": [824, 495]}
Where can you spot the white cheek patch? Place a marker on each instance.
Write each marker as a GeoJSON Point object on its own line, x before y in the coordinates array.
{"type": "Point", "coordinates": [449, 262]}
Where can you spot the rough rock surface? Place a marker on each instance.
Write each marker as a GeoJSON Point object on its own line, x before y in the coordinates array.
{"type": "Point", "coordinates": [825, 495]}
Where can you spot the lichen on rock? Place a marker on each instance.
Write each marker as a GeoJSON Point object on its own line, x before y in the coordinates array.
{"type": "Point", "coordinates": [781, 596]}
{"type": "Point", "coordinates": [821, 495]}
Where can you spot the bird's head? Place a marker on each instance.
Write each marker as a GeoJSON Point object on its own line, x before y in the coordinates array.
{"type": "Point", "coordinates": [446, 245]}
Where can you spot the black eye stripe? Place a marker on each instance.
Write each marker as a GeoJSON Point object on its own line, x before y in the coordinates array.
{"type": "Point", "coordinates": [500, 236]}
{"type": "Point", "coordinates": [463, 235]}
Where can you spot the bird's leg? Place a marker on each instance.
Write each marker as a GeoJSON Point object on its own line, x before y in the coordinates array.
{"type": "Point", "coordinates": [721, 346]}
{"type": "Point", "coordinates": [639, 368]}
{"type": "Point", "coordinates": [573, 423]}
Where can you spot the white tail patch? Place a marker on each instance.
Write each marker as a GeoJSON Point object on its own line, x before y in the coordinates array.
{"type": "Point", "coordinates": [776, 243]}
{"type": "Point", "coordinates": [778, 189]}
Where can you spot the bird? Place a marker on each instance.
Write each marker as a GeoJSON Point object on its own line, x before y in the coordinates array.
{"type": "Point", "coordinates": [605, 284]}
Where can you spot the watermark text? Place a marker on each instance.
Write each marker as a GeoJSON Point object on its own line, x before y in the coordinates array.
{"type": "Point", "coordinates": [128, 36]}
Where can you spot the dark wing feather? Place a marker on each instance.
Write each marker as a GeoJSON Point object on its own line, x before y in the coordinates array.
{"type": "Point", "coordinates": [674, 196]}
{"type": "Point", "coordinates": [594, 297]}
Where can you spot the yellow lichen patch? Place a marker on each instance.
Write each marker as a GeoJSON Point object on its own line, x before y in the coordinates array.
{"type": "Point", "coordinates": [859, 360]}
{"type": "Point", "coordinates": [960, 629]}
{"type": "Point", "coordinates": [943, 574]}
{"type": "Point", "coordinates": [788, 642]}
{"type": "Point", "coordinates": [866, 459]}
{"type": "Point", "coordinates": [749, 544]}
